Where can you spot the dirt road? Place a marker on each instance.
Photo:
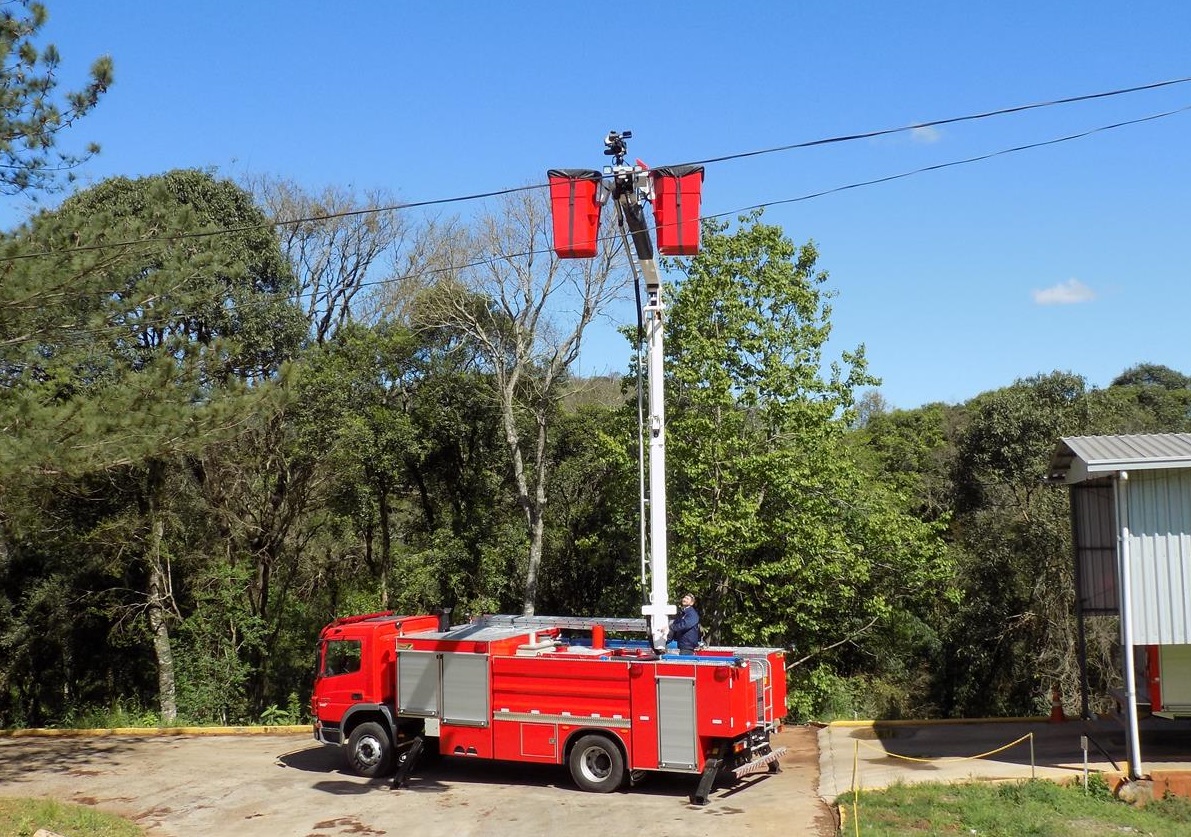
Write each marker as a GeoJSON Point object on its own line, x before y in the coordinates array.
{"type": "Point", "coordinates": [203, 786]}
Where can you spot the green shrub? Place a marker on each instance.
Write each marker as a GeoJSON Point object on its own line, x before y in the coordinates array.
{"type": "Point", "coordinates": [291, 715]}
{"type": "Point", "coordinates": [1098, 787]}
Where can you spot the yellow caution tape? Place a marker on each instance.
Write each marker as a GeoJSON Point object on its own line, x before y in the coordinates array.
{"type": "Point", "coordinates": [882, 750]}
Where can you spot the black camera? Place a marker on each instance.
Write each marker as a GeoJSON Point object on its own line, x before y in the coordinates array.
{"type": "Point", "coordinates": [614, 145]}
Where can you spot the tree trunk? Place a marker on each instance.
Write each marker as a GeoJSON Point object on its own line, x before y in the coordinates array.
{"type": "Point", "coordinates": [386, 547]}
{"type": "Point", "coordinates": [536, 519]}
{"type": "Point", "coordinates": [535, 560]}
{"type": "Point", "coordinates": [159, 596]}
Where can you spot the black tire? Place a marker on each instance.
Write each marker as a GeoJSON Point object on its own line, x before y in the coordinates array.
{"type": "Point", "coordinates": [369, 750]}
{"type": "Point", "coordinates": [596, 764]}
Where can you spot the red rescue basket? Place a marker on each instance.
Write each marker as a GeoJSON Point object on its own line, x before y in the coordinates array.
{"type": "Point", "coordinates": [575, 208]}
{"type": "Point", "coordinates": [676, 192]}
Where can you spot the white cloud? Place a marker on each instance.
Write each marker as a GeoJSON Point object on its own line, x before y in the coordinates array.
{"type": "Point", "coordinates": [925, 134]}
{"type": "Point", "coordinates": [1065, 293]}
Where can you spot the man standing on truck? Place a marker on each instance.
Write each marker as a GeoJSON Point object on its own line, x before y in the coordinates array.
{"type": "Point", "coordinates": [684, 630]}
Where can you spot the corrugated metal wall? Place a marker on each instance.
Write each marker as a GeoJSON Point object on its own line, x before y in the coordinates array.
{"type": "Point", "coordinates": [1158, 514]}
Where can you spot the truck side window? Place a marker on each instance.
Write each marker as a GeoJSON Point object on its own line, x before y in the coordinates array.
{"type": "Point", "coordinates": [341, 656]}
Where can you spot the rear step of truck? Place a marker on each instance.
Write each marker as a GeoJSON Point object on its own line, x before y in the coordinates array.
{"type": "Point", "coordinates": [767, 761]}
{"type": "Point", "coordinates": [711, 769]}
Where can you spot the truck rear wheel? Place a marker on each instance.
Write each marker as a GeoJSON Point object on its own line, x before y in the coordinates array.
{"type": "Point", "coordinates": [596, 764]}
{"type": "Point", "coordinates": [369, 750]}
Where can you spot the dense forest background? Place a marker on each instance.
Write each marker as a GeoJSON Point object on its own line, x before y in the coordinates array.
{"type": "Point", "coordinates": [232, 411]}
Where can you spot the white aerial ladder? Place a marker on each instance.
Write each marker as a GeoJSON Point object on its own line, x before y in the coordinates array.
{"type": "Point", "coordinates": [629, 187]}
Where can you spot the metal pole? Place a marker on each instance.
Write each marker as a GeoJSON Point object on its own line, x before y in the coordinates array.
{"type": "Point", "coordinates": [1080, 626]}
{"type": "Point", "coordinates": [1083, 743]}
{"type": "Point", "coordinates": [1126, 608]}
{"type": "Point", "coordinates": [659, 610]}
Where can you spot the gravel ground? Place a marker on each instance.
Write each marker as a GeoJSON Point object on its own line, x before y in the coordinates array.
{"type": "Point", "coordinates": [249, 785]}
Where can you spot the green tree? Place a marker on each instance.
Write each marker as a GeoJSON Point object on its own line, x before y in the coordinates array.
{"type": "Point", "coordinates": [1148, 398]}
{"type": "Point", "coordinates": [589, 564]}
{"type": "Point", "coordinates": [160, 340]}
{"type": "Point", "coordinates": [413, 466]}
{"type": "Point", "coordinates": [32, 113]}
{"type": "Point", "coordinates": [1152, 375]}
{"type": "Point", "coordinates": [914, 450]}
{"type": "Point", "coordinates": [1011, 637]}
{"type": "Point", "coordinates": [773, 521]}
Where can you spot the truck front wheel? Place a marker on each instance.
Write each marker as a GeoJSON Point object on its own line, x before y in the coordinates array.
{"type": "Point", "coordinates": [369, 751]}
{"type": "Point", "coordinates": [596, 764]}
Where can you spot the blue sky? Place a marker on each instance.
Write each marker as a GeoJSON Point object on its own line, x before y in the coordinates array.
{"type": "Point", "coordinates": [1070, 257]}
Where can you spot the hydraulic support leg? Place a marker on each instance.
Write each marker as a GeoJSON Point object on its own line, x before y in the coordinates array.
{"type": "Point", "coordinates": [407, 759]}
{"type": "Point", "coordinates": [711, 769]}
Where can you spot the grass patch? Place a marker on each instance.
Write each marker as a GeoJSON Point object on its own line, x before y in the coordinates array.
{"type": "Point", "coordinates": [1010, 809]}
{"type": "Point", "coordinates": [22, 818]}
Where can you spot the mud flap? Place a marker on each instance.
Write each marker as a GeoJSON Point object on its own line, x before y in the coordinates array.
{"type": "Point", "coordinates": [407, 759]}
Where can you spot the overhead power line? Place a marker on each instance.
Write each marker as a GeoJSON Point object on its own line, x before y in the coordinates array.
{"type": "Point", "coordinates": [952, 163]}
{"type": "Point", "coordinates": [723, 158]}
{"type": "Point", "coordinates": [949, 121]}
{"type": "Point", "coordinates": [812, 195]}
{"type": "Point", "coordinates": [80, 333]}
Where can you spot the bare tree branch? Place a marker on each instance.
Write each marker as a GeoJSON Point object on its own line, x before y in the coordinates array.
{"type": "Point", "coordinates": [825, 648]}
{"type": "Point", "coordinates": [525, 312]}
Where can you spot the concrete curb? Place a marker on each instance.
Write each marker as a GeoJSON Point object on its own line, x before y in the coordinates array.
{"type": "Point", "coordinates": [1036, 719]}
{"type": "Point", "coordinates": [306, 729]}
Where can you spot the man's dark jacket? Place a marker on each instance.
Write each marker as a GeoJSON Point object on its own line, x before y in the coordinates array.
{"type": "Point", "coordinates": [684, 630]}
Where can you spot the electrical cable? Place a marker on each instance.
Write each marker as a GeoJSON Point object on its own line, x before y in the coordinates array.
{"type": "Point", "coordinates": [723, 158]}
{"type": "Point", "coordinates": [949, 121]}
{"type": "Point", "coordinates": [812, 195]}
{"type": "Point", "coordinates": [952, 163]}
{"type": "Point", "coordinates": [290, 222]}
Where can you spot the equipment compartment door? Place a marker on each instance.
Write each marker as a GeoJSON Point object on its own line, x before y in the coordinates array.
{"type": "Point", "coordinates": [539, 741]}
{"type": "Point", "coordinates": [417, 683]}
{"type": "Point", "coordinates": [676, 723]}
{"type": "Point", "coordinates": [465, 689]}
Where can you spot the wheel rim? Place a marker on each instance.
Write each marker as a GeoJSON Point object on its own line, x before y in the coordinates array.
{"type": "Point", "coordinates": [596, 764]}
{"type": "Point", "coordinates": [368, 751]}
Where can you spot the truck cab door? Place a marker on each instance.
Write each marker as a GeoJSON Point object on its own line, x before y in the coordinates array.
{"type": "Point", "coordinates": [342, 681]}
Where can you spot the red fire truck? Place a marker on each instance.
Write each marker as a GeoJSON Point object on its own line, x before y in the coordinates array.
{"type": "Point", "coordinates": [548, 690]}
{"type": "Point", "coordinates": [558, 690]}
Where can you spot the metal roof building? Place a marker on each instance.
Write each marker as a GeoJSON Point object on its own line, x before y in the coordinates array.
{"type": "Point", "coordinates": [1131, 526]}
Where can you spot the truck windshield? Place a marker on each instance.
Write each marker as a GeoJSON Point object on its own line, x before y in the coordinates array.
{"type": "Point", "coordinates": [340, 656]}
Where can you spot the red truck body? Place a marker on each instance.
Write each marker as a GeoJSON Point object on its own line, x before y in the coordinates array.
{"type": "Point", "coordinates": [546, 690]}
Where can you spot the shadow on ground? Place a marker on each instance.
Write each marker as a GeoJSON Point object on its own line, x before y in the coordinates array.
{"type": "Point", "coordinates": [1053, 745]}
{"type": "Point", "coordinates": [436, 775]}
{"type": "Point", "coordinates": [21, 758]}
